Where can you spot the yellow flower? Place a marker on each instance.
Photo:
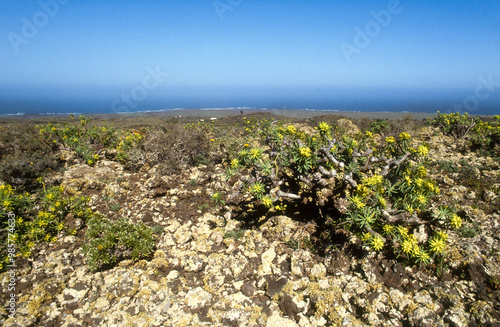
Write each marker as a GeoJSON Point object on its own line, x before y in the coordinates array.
{"type": "Point", "coordinates": [382, 202]}
{"type": "Point", "coordinates": [305, 152]}
{"type": "Point", "coordinates": [90, 162]}
{"type": "Point", "coordinates": [60, 226]}
{"type": "Point", "coordinates": [212, 140]}
{"type": "Point", "coordinates": [390, 139]}
{"type": "Point", "coordinates": [50, 196]}
{"type": "Point", "coordinates": [407, 247]}
{"type": "Point", "coordinates": [442, 235]}
{"type": "Point", "coordinates": [437, 245]}
{"type": "Point", "coordinates": [388, 229]}
{"type": "Point", "coordinates": [403, 231]}
{"type": "Point", "coordinates": [423, 150]}
{"type": "Point", "coordinates": [255, 153]}
{"type": "Point", "coordinates": [365, 237]}
{"type": "Point", "coordinates": [404, 136]}
{"type": "Point", "coordinates": [409, 209]}
{"type": "Point", "coordinates": [7, 204]}
{"type": "Point", "coordinates": [422, 199]}
{"type": "Point", "coordinates": [369, 134]}
{"type": "Point", "coordinates": [377, 243]}
{"type": "Point", "coordinates": [362, 190]}
{"type": "Point", "coordinates": [235, 163]}
{"type": "Point", "coordinates": [96, 157]}
{"type": "Point", "coordinates": [291, 129]}
{"type": "Point", "coordinates": [456, 221]}
{"type": "Point", "coordinates": [423, 256]}
{"type": "Point", "coordinates": [267, 201]}
{"type": "Point", "coordinates": [357, 202]}
{"type": "Point", "coordinates": [323, 127]}
{"type": "Point", "coordinates": [53, 128]}
{"type": "Point", "coordinates": [374, 180]}
{"type": "Point", "coordinates": [75, 139]}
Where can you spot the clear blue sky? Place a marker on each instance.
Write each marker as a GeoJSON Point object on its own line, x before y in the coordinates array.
{"type": "Point", "coordinates": [249, 49]}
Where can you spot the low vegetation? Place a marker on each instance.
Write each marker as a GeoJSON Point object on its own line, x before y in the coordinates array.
{"type": "Point", "coordinates": [376, 184]}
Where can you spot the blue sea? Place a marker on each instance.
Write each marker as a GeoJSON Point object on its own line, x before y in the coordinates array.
{"type": "Point", "coordinates": [121, 101]}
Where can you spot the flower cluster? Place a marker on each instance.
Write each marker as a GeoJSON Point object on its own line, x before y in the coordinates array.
{"type": "Point", "coordinates": [85, 141]}
{"type": "Point", "coordinates": [40, 217]}
{"type": "Point", "coordinates": [126, 143]}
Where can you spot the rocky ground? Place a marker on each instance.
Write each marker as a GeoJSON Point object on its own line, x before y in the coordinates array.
{"type": "Point", "coordinates": [208, 269]}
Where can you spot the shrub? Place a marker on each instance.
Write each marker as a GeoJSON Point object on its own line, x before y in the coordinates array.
{"type": "Point", "coordinates": [453, 124]}
{"type": "Point", "coordinates": [379, 127]}
{"type": "Point", "coordinates": [87, 142]}
{"type": "Point", "coordinates": [110, 241]}
{"type": "Point", "coordinates": [380, 191]}
{"type": "Point", "coordinates": [23, 157]}
{"type": "Point", "coordinates": [39, 217]}
{"type": "Point", "coordinates": [172, 146]}
{"type": "Point", "coordinates": [486, 137]}
{"type": "Point", "coordinates": [483, 136]}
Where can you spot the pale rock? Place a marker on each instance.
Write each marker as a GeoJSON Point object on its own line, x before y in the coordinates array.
{"type": "Point", "coordinates": [295, 267]}
{"type": "Point", "coordinates": [102, 304]}
{"type": "Point", "coordinates": [174, 274]}
{"type": "Point", "coordinates": [197, 298]}
{"type": "Point", "coordinates": [267, 259]}
{"type": "Point", "coordinates": [304, 322]}
{"type": "Point", "coordinates": [182, 235]}
{"type": "Point", "coordinates": [420, 234]}
{"type": "Point", "coordinates": [318, 271]}
{"type": "Point", "coordinates": [323, 283]}
{"type": "Point", "coordinates": [277, 321]}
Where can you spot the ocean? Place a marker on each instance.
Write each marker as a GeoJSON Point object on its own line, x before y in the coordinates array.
{"type": "Point", "coordinates": [369, 102]}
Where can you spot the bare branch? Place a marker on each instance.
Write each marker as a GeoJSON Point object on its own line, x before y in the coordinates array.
{"type": "Point", "coordinates": [349, 179]}
{"type": "Point", "coordinates": [288, 195]}
{"type": "Point", "coordinates": [402, 217]}
{"type": "Point", "coordinates": [330, 173]}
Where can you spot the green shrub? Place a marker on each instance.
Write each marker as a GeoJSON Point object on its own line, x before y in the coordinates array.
{"type": "Point", "coordinates": [87, 142]}
{"type": "Point", "coordinates": [379, 126]}
{"type": "Point", "coordinates": [454, 124]}
{"type": "Point", "coordinates": [486, 137]}
{"type": "Point", "coordinates": [380, 191]}
{"type": "Point", "coordinates": [483, 136]}
{"type": "Point", "coordinates": [23, 158]}
{"type": "Point", "coordinates": [108, 242]}
{"type": "Point", "coordinates": [39, 217]}
{"type": "Point", "coordinates": [172, 146]}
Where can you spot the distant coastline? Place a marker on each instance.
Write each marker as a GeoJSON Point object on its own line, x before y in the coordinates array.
{"type": "Point", "coordinates": [217, 113]}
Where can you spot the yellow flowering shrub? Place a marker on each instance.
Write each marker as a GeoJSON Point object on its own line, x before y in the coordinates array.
{"type": "Point", "coordinates": [385, 184]}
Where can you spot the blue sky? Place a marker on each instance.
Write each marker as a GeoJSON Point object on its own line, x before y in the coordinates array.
{"type": "Point", "coordinates": [242, 49]}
